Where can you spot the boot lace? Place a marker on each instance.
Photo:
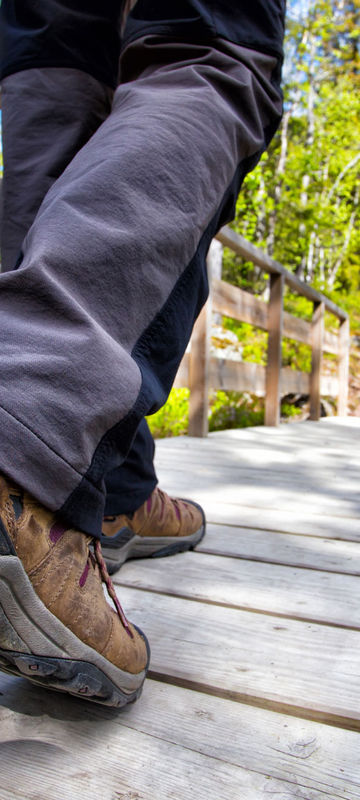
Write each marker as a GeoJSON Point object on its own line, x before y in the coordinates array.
{"type": "Point", "coordinates": [110, 586]}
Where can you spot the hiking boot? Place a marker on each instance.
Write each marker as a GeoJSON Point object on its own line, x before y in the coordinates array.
{"type": "Point", "coordinates": [56, 626]}
{"type": "Point", "coordinates": [162, 526]}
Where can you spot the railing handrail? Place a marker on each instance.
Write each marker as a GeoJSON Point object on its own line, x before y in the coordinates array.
{"type": "Point", "coordinates": [243, 248]}
{"type": "Point", "coordinates": [201, 372]}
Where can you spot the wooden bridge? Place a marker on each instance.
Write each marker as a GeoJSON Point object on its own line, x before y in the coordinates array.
{"type": "Point", "coordinates": [254, 689]}
{"type": "Point", "coordinates": [255, 674]}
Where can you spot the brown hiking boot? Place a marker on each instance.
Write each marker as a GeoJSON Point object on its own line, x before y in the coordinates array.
{"type": "Point", "coordinates": [56, 627]}
{"type": "Point", "coordinates": [162, 526]}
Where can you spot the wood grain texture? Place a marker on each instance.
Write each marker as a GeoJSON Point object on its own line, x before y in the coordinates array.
{"type": "Point", "coordinates": [295, 520]}
{"type": "Point", "coordinates": [304, 594]}
{"type": "Point", "coordinates": [344, 354]}
{"type": "Point", "coordinates": [273, 366]}
{"type": "Point", "coordinates": [199, 374]}
{"type": "Point", "coordinates": [331, 342]}
{"type": "Point", "coordinates": [311, 552]}
{"type": "Point", "coordinates": [317, 337]}
{"type": "Point", "coordinates": [284, 665]}
{"type": "Point", "coordinates": [89, 750]}
{"type": "Point", "coordinates": [231, 301]}
{"type": "Point", "coordinates": [296, 328]}
{"type": "Point", "coordinates": [237, 376]}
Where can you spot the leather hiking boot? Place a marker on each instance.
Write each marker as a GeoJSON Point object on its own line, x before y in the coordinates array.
{"type": "Point", "coordinates": [162, 526]}
{"type": "Point", "coordinates": [56, 626]}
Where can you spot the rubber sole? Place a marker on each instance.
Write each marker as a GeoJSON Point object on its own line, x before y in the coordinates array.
{"type": "Point", "coordinates": [36, 645]}
{"type": "Point", "coordinates": [126, 545]}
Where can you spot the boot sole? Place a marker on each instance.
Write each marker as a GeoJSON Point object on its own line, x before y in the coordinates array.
{"type": "Point", "coordinates": [36, 645]}
{"type": "Point", "coordinates": [116, 551]}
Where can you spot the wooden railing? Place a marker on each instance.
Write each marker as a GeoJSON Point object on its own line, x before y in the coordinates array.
{"type": "Point", "coordinates": [200, 372]}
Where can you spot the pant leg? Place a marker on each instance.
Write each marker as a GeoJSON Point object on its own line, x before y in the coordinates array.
{"type": "Point", "coordinates": [130, 484]}
{"type": "Point", "coordinates": [113, 271]}
{"type": "Point", "coordinates": [49, 113]}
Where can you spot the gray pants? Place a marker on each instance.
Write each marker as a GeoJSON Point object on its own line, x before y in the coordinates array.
{"type": "Point", "coordinates": [48, 115]}
{"type": "Point", "coordinates": [96, 317]}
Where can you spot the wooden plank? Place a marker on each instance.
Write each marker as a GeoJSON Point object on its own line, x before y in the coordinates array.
{"type": "Point", "coordinates": [182, 375]}
{"type": "Point", "coordinates": [239, 376]}
{"type": "Point", "coordinates": [264, 447]}
{"type": "Point", "coordinates": [312, 552]}
{"type": "Point", "coordinates": [317, 335]}
{"type": "Point", "coordinates": [295, 521]}
{"type": "Point", "coordinates": [331, 342]}
{"type": "Point", "coordinates": [231, 301]}
{"type": "Point", "coordinates": [329, 386]}
{"type": "Point", "coordinates": [199, 374]}
{"type": "Point", "coordinates": [344, 345]}
{"type": "Point", "coordinates": [335, 442]}
{"type": "Point", "coordinates": [239, 245]}
{"type": "Point", "coordinates": [273, 367]}
{"type": "Point", "coordinates": [291, 754]}
{"type": "Point", "coordinates": [277, 493]}
{"type": "Point", "coordinates": [289, 592]}
{"type": "Point", "coordinates": [321, 461]}
{"type": "Point", "coordinates": [291, 666]}
{"type": "Point", "coordinates": [294, 382]}
{"type": "Point", "coordinates": [244, 376]}
{"type": "Point", "coordinates": [233, 478]}
{"type": "Point", "coordinates": [296, 328]}
{"type": "Point", "coordinates": [112, 762]}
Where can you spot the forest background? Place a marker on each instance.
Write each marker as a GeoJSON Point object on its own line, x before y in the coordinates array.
{"type": "Point", "coordinates": [301, 205]}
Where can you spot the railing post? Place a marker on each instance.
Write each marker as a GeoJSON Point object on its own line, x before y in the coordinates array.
{"type": "Point", "coordinates": [273, 368]}
{"type": "Point", "coordinates": [317, 338]}
{"type": "Point", "coordinates": [199, 373]}
{"type": "Point", "coordinates": [343, 370]}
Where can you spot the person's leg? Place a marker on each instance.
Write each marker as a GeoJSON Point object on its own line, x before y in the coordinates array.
{"type": "Point", "coordinates": [48, 115]}
{"type": "Point", "coordinates": [112, 277]}
{"type": "Point", "coordinates": [57, 627]}
{"type": "Point", "coordinates": [113, 271]}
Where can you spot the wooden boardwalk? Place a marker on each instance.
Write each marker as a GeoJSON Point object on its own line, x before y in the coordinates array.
{"type": "Point", "coordinates": [255, 678]}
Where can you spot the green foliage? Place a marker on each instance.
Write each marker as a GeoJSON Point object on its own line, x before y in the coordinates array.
{"type": "Point", "coordinates": [235, 410]}
{"type": "Point", "coordinates": [290, 411]}
{"type": "Point", "coordinates": [298, 306]}
{"type": "Point", "coordinates": [227, 410]}
{"type": "Point", "coordinates": [173, 418]}
{"type": "Point", "coordinates": [254, 341]}
{"type": "Point", "coordinates": [296, 355]}
{"type": "Point", "coordinates": [301, 203]}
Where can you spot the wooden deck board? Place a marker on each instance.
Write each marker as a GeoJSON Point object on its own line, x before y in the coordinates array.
{"type": "Point", "coordinates": [250, 638]}
{"type": "Point", "coordinates": [310, 552]}
{"type": "Point", "coordinates": [82, 745]}
{"type": "Point", "coordinates": [252, 657]}
{"type": "Point", "coordinates": [313, 595]}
